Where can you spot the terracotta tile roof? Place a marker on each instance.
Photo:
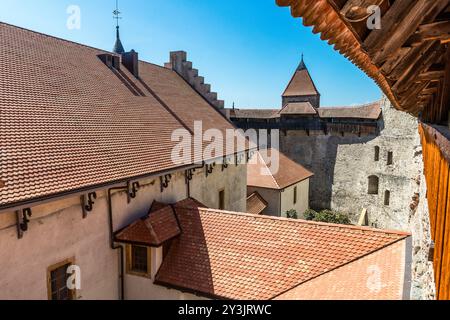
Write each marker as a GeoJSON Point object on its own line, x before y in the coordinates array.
{"type": "Point", "coordinates": [301, 84]}
{"type": "Point", "coordinates": [256, 203]}
{"type": "Point", "coordinates": [265, 175]}
{"type": "Point", "coordinates": [377, 276]}
{"type": "Point", "coordinates": [231, 255]}
{"type": "Point", "coordinates": [156, 205]}
{"type": "Point", "coordinates": [298, 108]}
{"type": "Point", "coordinates": [153, 230]}
{"type": "Point", "coordinates": [254, 113]}
{"type": "Point", "coordinates": [68, 122]}
{"type": "Point", "coordinates": [370, 111]}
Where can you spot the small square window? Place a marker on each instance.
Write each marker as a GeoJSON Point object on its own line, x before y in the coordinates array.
{"type": "Point", "coordinates": [138, 260]}
{"type": "Point", "coordinates": [57, 282]}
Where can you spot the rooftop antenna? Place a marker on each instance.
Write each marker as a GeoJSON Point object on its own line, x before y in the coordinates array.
{"type": "Point", "coordinates": [118, 47]}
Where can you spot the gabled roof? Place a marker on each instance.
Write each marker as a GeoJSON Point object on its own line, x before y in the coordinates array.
{"type": "Point", "coordinates": [229, 255]}
{"type": "Point", "coordinates": [298, 108]}
{"type": "Point", "coordinates": [371, 111]}
{"type": "Point", "coordinates": [262, 174]}
{"type": "Point", "coordinates": [301, 83]}
{"type": "Point", "coordinates": [68, 122]}
{"type": "Point", "coordinates": [153, 230]}
{"type": "Point", "coordinates": [256, 203]}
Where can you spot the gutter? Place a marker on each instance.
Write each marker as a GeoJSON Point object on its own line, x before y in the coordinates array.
{"type": "Point", "coordinates": [113, 245]}
{"type": "Point", "coordinates": [78, 192]}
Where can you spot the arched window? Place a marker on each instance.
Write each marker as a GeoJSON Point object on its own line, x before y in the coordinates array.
{"type": "Point", "coordinates": [373, 184]}
{"type": "Point", "coordinates": [387, 198]}
{"type": "Point", "coordinates": [377, 153]}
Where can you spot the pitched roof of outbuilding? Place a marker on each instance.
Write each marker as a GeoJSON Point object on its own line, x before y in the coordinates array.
{"type": "Point", "coordinates": [370, 111]}
{"type": "Point", "coordinates": [298, 108]}
{"type": "Point", "coordinates": [229, 255]}
{"type": "Point", "coordinates": [254, 113]}
{"type": "Point", "coordinates": [285, 173]}
{"type": "Point", "coordinates": [68, 122]}
{"type": "Point", "coordinates": [153, 230]}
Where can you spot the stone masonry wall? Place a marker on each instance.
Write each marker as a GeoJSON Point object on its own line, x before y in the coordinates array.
{"type": "Point", "coordinates": [342, 166]}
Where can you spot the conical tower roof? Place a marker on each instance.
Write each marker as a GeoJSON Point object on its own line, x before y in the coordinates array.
{"type": "Point", "coordinates": [301, 83]}
{"type": "Point", "coordinates": [118, 47]}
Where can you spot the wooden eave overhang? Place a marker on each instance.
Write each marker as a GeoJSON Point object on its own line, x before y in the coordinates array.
{"type": "Point", "coordinates": [407, 57]}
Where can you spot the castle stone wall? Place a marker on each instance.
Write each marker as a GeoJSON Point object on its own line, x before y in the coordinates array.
{"type": "Point", "coordinates": [343, 164]}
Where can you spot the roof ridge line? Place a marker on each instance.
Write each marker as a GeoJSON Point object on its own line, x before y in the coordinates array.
{"type": "Point", "coordinates": [55, 37]}
{"type": "Point", "coordinates": [265, 165]}
{"type": "Point", "coordinates": [315, 223]}
{"type": "Point", "coordinates": [72, 42]}
{"type": "Point", "coordinates": [352, 107]}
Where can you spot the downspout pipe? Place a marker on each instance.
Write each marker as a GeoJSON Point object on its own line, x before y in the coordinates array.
{"type": "Point", "coordinates": [112, 243]}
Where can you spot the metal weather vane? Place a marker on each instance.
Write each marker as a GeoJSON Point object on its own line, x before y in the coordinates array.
{"type": "Point", "coordinates": [117, 13]}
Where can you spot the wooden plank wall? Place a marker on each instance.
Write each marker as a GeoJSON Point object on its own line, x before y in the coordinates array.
{"type": "Point", "coordinates": [437, 174]}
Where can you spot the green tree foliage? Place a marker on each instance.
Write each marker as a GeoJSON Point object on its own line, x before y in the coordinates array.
{"type": "Point", "coordinates": [327, 216]}
{"type": "Point", "coordinates": [292, 214]}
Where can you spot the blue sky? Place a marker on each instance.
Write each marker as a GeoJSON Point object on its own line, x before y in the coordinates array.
{"type": "Point", "coordinates": [247, 49]}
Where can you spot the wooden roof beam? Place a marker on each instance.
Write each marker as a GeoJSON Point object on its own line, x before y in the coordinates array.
{"type": "Point", "coordinates": [431, 76]}
{"type": "Point", "coordinates": [432, 31]}
{"type": "Point", "coordinates": [389, 22]}
{"type": "Point", "coordinates": [425, 61]}
{"type": "Point", "coordinates": [394, 60]}
{"type": "Point", "coordinates": [409, 61]}
{"type": "Point", "coordinates": [407, 26]}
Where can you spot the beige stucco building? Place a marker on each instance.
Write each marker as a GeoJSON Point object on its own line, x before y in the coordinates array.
{"type": "Point", "coordinates": [86, 147]}
{"type": "Point", "coordinates": [283, 186]}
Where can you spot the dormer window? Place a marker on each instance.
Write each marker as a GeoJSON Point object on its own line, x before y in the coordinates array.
{"type": "Point", "coordinates": [139, 261]}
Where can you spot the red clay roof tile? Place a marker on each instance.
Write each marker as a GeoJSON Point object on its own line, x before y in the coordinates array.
{"type": "Point", "coordinates": [298, 108]}
{"type": "Point", "coordinates": [155, 229]}
{"type": "Point", "coordinates": [301, 84]}
{"type": "Point", "coordinates": [230, 255]}
{"type": "Point", "coordinates": [371, 111]}
{"type": "Point", "coordinates": [265, 175]}
{"type": "Point", "coordinates": [68, 122]}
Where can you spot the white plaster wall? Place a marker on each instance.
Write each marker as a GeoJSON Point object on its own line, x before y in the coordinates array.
{"type": "Point", "coordinates": [58, 232]}
{"type": "Point", "coordinates": [142, 288]}
{"type": "Point", "coordinates": [54, 236]}
{"type": "Point", "coordinates": [233, 180]}
{"type": "Point", "coordinates": [287, 199]}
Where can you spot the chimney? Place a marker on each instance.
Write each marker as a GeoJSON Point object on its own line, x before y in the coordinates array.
{"type": "Point", "coordinates": [131, 61]}
{"type": "Point", "coordinates": [177, 59]}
